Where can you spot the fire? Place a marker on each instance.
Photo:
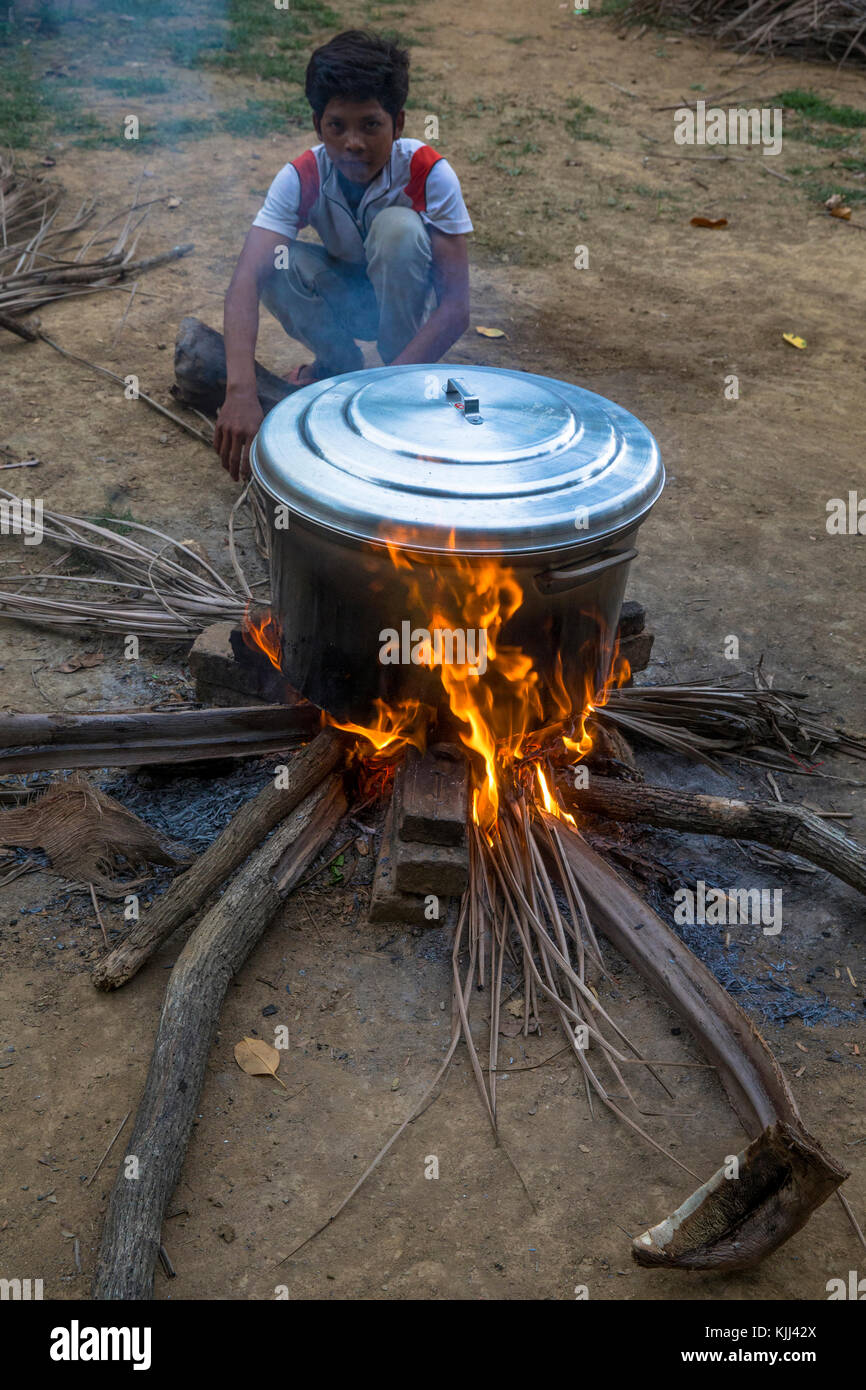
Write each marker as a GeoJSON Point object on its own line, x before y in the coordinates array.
{"type": "Point", "coordinates": [620, 671]}
{"type": "Point", "coordinates": [396, 727]}
{"type": "Point", "coordinates": [264, 634]}
{"type": "Point", "coordinates": [500, 704]}
{"type": "Point", "coordinates": [549, 801]}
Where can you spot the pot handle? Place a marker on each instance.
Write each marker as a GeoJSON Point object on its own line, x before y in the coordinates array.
{"type": "Point", "coordinates": [558, 581]}
{"type": "Point", "coordinates": [456, 391]}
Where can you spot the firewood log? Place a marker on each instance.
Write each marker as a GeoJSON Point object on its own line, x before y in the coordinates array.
{"type": "Point", "coordinates": [236, 841]}
{"type": "Point", "coordinates": [793, 829]}
{"type": "Point", "coordinates": [200, 370]}
{"type": "Point", "coordinates": [37, 742]}
{"type": "Point", "coordinates": [194, 995]}
{"type": "Point", "coordinates": [784, 1174]}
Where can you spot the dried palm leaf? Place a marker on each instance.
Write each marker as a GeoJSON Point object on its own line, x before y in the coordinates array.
{"type": "Point", "coordinates": [88, 836]}
{"type": "Point", "coordinates": [155, 595]}
{"type": "Point", "coordinates": [710, 721]}
{"type": "Point", "coordinates": [833, 29]}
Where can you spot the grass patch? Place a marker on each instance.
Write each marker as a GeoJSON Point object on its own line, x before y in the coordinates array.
{"type": "Point", "coordinates": [822, 140]}
{"type": "Point", "coordinates": [136, 85]}
{"type": "Point", "coordinates": [114, 521]}
{"type": "Point", "coordinates": [258, 117]}
{"type": "Point", "coordinates": [576, 122]}
{"type": "Point", "coordinates": [822, 191]}
{"type": "Point", "coordinates": [817, 109]}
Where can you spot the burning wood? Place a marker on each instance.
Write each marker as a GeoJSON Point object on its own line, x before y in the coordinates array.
{"type": "Point", "coordinates": [537, 892]}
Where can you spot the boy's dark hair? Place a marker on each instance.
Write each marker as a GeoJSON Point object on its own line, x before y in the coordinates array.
{"type": "Point", "coordinates": [361, 67]}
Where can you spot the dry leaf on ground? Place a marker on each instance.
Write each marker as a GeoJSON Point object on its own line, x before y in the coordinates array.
{"type": "Point", "coordinates": [81, 663]}
{"type": "Point", "coordinates": [836, 207]}
{"type": "Point", "coordinates": [258, 1058]}
{"type": "Point", "coordinates": [714, 223]}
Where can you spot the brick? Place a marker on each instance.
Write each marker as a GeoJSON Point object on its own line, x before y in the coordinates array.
{"type": "Point", "coordinates": [431, 796]}
{"type": "Point", "coordinates": [632, 618]}
{"type": "Point", "coordinates": [387, 903]}
{"type": "Point", "coordinates": [439, 869]}
{"type": "Point", "coordinates": [637, 650]}
{"type": "Point", "coordinates": [220, 663]}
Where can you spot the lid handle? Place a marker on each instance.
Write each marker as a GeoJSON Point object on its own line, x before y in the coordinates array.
{"type": "Point", "coordinates": [469, 404]}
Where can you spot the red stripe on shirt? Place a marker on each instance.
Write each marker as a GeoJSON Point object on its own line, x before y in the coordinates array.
{"type": "Point", "coordinates": [420, 165]}
{"type": "Point", "coordinates": [308, 173]}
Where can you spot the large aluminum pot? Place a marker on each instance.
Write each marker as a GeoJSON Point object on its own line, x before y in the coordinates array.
{"type": "Point", "coordinates": [456, 467]}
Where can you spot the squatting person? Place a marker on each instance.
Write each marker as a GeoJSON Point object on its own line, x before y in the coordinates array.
{"type": "Point", "coordinates": [392, 266]}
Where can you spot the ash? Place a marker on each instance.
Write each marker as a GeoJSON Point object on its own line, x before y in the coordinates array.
{"type": "Point", "coordinates": [192, 809]}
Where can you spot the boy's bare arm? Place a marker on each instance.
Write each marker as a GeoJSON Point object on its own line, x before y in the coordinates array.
{"type": "Point", "coordinates": [241, 415]}
{"type": "Point", "coordinates": [450, 318]}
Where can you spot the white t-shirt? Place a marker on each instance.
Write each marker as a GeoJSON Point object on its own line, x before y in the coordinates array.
{"type": "Point", "coordinates": [307, 192]}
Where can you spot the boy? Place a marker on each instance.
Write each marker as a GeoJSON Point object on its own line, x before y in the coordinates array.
{"type": "Point", "coordinates": [393, 263]}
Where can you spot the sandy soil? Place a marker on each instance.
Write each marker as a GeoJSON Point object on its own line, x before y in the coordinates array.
{"type": "Point", "coordinates": [737, 545]}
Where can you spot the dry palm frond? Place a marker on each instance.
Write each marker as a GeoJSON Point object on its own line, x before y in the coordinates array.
{"type": "Point", "coordinates": [42, 258]}
{"type": "Point", "coordinates": [808, 28]}
{"type": "Point", "coordinates": [87, 835]}
{"type": "Point", "coordinates": [511, 913]}
{"type": "Point", "coordinates": [154, 595]}
{"type": "Point", "coordinates": [707, 721]}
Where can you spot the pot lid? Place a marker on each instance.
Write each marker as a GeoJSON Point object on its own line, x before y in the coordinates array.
{"type": "Point", "coordinates": [472, 459]}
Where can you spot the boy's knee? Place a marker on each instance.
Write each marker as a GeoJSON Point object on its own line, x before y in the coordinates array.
{"type": "Point", "coordinates": [397, 233]}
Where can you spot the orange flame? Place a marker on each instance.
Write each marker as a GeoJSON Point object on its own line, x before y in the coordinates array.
{"type": "Point", "coordinates": [498, 704]}
{"type": "Point", "coordinates": [396, 727]}
{"type": "Point", "coordinates": [549, 801]}
{"type": "Point", "coordinates": [264, 634]}
{"type": "Point", "coordinates": [620, 671]}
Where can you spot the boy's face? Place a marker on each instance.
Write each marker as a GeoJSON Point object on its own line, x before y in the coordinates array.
{"type": "Point", "coordinates": [358, 136]}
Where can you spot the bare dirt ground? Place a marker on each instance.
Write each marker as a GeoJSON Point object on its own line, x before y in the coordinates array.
{"type": "Point", "coordinates": [737, 545]}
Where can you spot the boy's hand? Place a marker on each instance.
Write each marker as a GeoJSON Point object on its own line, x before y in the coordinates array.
{"type": "Point", "coordinates": [238, 421]}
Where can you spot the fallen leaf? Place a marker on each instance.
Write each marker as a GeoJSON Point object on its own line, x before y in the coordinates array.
{"type": "Point", "coordinates": [794, 340]}
{"type": "Point", "coordinates": [515, 1007]}
{"type": "Point", "coordinates": [361, 846]}
{"type": "Point", "coordinates": [490, 332]}
{"type": "Point", "coordinates": [584, 1148]}
{"type": "Point", "coordinates": [835, 205]}
{"type": "Point", "coordinates": [81, 663]}
{"type": "Point", "coordinates": [258, 1058]}
{"type": "Point", "coordinates": [174, 202]}
{"type": "Point", "coordinates": [714, 223]}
